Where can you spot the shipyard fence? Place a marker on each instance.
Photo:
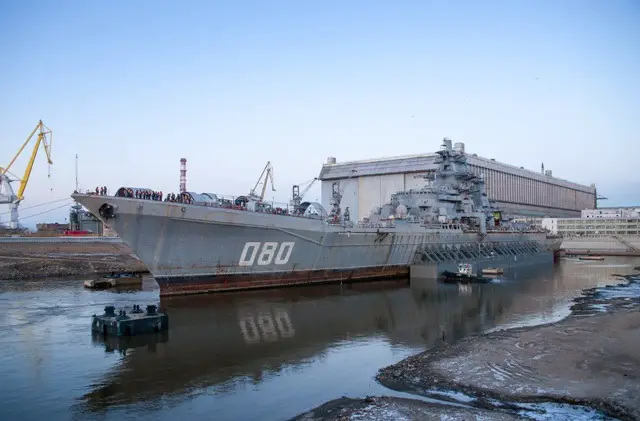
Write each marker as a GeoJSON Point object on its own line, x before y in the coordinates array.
{"type": "Point", "coordinates": [70, 240]}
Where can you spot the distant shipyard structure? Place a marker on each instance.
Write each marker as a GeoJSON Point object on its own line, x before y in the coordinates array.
{"type": "Point", "coordinates": [592, 226]}
{"type": "Point", "coordinates": [515, 190]}
{"type": "Point", "coordinates": [612, 212]}
{"type": "Point", "coordinates": [608, 221]}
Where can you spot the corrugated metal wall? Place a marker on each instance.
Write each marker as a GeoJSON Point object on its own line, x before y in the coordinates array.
{"type": "Point", "coordinates": [513, 189]}
{"type": "Point", "coordinates": [350, 195]}
{"type": "Point", "coordinates": [390, 184]}
{"type": "Point", "coordinates": [510, 188]}
{"type": "Point", "coordinates": [369, 194]}
{"type": "Point", "coordinates": [413, 181]}
{"type": "Point", "coordinates": [509, 191]}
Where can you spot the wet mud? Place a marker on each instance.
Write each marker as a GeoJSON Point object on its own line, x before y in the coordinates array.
{"type": "Point", "coordinates": [32, 260]}
{"type": "Point", "coordinates": [589, 359]}
{"type": "Point", "coordinates": [397, 409]}
{"type": "Point", "coordinates": [586, 366]}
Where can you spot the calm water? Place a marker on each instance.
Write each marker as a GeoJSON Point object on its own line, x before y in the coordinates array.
{"type": "Point", "coordinates": [265, 355]}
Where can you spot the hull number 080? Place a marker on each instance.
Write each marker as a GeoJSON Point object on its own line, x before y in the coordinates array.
{"type": "Point", "coordinates": [266, 253]}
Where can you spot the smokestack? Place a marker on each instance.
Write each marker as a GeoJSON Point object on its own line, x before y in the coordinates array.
{"type": "Point", "coordinates": [183, 175]}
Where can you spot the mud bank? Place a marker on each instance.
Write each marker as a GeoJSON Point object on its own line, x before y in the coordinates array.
{"type": "Point", "coordinates": [31, 261]}
{"type": "Point", "coordinates": [584, 367]}
{"type": "Point", "coordinates": [396, 409]}
{"type": "Point", "coordinates": [590, 358]}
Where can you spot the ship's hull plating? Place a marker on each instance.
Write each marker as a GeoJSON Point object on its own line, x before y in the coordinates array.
{"type": "Point", "coordinates": [195, 249]}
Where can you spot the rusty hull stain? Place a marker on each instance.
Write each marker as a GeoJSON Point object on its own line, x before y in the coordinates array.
{"type": "Point", "coordinates": [230, 282]}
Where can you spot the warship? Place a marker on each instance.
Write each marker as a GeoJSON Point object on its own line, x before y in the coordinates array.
{"type": "Point", "coordinates": [209, 244]}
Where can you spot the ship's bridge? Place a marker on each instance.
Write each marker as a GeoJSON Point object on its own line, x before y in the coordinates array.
{"type": "Point", "coordinates": [131, 191]}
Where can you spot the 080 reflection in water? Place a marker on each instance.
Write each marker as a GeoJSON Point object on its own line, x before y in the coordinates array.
{"type": "Point", "coordinates": [252, 355]}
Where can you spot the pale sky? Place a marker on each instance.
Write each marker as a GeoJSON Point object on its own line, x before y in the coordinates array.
{"type": "Point", "coordinates": [131, 87]}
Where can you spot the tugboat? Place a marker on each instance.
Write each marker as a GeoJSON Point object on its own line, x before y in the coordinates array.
{"type": "Point", "coordinates": [465, 274]}
{"type": "Point", "coordinates": [113, 280]}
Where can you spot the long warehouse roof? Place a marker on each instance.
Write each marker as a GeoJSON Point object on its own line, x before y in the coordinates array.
{"type": "Point", "coordinates": [421, 163]}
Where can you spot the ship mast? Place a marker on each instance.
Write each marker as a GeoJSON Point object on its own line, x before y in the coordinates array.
{"type": "Point", "coordinates": [336, 216]}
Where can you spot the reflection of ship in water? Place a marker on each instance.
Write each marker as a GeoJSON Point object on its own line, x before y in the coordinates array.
{"type": "Point", "coordinates": [124, 344]}
{"type": "Point", "coordinates": [214, 340]}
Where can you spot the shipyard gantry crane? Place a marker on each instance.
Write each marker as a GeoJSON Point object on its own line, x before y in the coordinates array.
{"type": "Point", "coordinates": [7, 194]}
{"type": "Point", "coordinates": [267, 173]}
{"type": "Point", "coordinates": [296, 196]}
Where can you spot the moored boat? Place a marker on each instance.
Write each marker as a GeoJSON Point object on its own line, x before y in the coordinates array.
{"type": "Point", "coordinates": [465, 274]}
{"type": "Point", "coordinates": [113, 280]}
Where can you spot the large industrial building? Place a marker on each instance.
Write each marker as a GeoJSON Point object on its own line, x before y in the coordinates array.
{"type": "Point", "coordinates": [601, 221]}
{"type": "Point", "coordinates": [592, 226]}
{"type": "Point", "coordinates": [612, 212]}
{"type": "Point", "coordinates": [517, 191]}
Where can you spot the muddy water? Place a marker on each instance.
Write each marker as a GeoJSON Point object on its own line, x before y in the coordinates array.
{"type": "Point", "coordinates": [258, 355]}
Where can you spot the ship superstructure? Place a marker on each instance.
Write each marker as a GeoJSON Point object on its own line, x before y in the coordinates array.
{"type": "Point", "coordinates": [452, 194]}
{"type": "Point", "coordinates": [214, 244]}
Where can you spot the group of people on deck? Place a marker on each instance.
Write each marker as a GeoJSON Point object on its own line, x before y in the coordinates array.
{"type": "Point", "coordinates": [148, 195]}
{"type": "Point", "coordinates": [187, 199]}
{"type": "Point", "coordinates": [145, 194]}
{"type": "Point", "coordinates": [179, 198]}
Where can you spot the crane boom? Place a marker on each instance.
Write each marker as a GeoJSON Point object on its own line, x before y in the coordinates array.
{"type": "Point", "coordinates": [296, 196]}
{"type": "Point", "coordinates": [24, 145]}
{"type": "Point", "coordinates": [306, 190]}
{"type": "Point", "coordinates": [42, 139]}
{"type": "Point", "coordinates": [45, 138]}
{"type": "Point", "coordinates": [267, 173]}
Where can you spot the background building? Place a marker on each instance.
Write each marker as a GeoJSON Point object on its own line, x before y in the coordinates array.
{"type": "Point", "coordinates": [52, 229]}
{"type": "Point", "coordinates": [612, 212]}
{"type": "Point", "coordinates": [519, 192]}
{"type": "Point", "coordinates": [82, 220]}
{"type": "Point", "coordinates": [592, 226]}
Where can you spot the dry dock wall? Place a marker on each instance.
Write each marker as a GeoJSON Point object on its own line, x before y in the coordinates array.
{"type": "Point", "coordinates": [610, 245]}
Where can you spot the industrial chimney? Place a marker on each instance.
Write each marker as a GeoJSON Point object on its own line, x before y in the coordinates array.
{"type": "Point", "coordinates": [183, 175]}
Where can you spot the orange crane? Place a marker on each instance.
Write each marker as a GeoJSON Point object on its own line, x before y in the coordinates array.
{"type": "Point", "coordinates": [7, 194]}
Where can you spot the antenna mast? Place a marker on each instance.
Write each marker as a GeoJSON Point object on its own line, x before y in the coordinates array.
{"type": "Point", "coordinates": [77, 187]}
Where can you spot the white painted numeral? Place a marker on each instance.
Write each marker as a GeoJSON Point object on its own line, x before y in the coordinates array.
{"type": "Point", "coordinates": [284, 253]}
{"type": "Point", "coordinates": [248, 260]}
{"type": "Point", "coordinates": [267, 253]}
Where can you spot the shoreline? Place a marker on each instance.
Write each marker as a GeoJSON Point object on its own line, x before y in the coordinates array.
{"type": "Point", "coordinates": [32, 261]}
{"type": "Point", "coordinates": [582, 365]}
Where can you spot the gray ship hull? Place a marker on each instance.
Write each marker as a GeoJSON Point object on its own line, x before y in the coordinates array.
{"type": "Point", "coordinates": [196, 249]}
